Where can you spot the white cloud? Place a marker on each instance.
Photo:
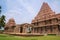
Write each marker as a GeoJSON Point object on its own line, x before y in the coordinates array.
{"type": "Point", "coordinates": [56, 6]}
{"type": "Point", "coordinates": [21, 15]}
{"type": "Point", "coordinates": [27, 6]}
{"type": "Point", "coordinates": [13, 14]}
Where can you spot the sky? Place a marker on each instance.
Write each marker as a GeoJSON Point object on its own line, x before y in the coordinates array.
{"type": "Point", "coordinates": [24, 11]}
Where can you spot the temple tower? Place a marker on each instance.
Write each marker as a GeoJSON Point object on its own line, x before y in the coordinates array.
{"type": "Point", "coordinates": [10, 25]}
{"type": "Point", "coordinates": [44, 12]}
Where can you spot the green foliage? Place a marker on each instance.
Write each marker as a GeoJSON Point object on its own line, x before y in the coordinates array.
{"type": "Point", "coordinates": [2, 21]}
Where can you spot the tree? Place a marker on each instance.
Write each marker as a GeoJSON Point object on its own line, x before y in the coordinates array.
{"type": "Point", "coordinates": [2, 21]}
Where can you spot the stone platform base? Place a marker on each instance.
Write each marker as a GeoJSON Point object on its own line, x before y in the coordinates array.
{"type": "Point", "coordinates": [27, 34]}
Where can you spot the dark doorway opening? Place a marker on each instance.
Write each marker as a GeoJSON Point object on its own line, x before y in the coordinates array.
{"type": "Point", "coordinates": [21, 29]}
{"type": "Point", "coordinates": [59, 28]}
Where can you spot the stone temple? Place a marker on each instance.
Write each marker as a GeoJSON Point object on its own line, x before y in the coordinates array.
{"type": "Point", "coordinates": [45, 22]}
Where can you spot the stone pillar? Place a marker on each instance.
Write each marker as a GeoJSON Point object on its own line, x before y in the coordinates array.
{"type": "Point", "coordinates": [33, 30]}
{"type": "Point", "coordinates": [45, 33]}
{"type": "Point", "coordinates": [58, 28]}
{"type": "Point", "coordinates": [23, 30]}
{"type": "Point", "coordinates": [55, 31]}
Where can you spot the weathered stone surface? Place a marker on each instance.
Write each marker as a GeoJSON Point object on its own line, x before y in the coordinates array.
{"type": "Point", "coordinates": [46, 21]}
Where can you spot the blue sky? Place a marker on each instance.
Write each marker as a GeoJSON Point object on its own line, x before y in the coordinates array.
{"type": "Point", "coordinates": [24, 11]}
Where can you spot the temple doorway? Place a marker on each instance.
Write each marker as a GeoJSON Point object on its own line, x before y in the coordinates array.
{"type": "Point", "coordinates": [21, 29]}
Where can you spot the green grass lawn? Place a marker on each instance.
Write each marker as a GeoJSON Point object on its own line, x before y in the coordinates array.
{"type": "Point", "coordinates": [10, 37]}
